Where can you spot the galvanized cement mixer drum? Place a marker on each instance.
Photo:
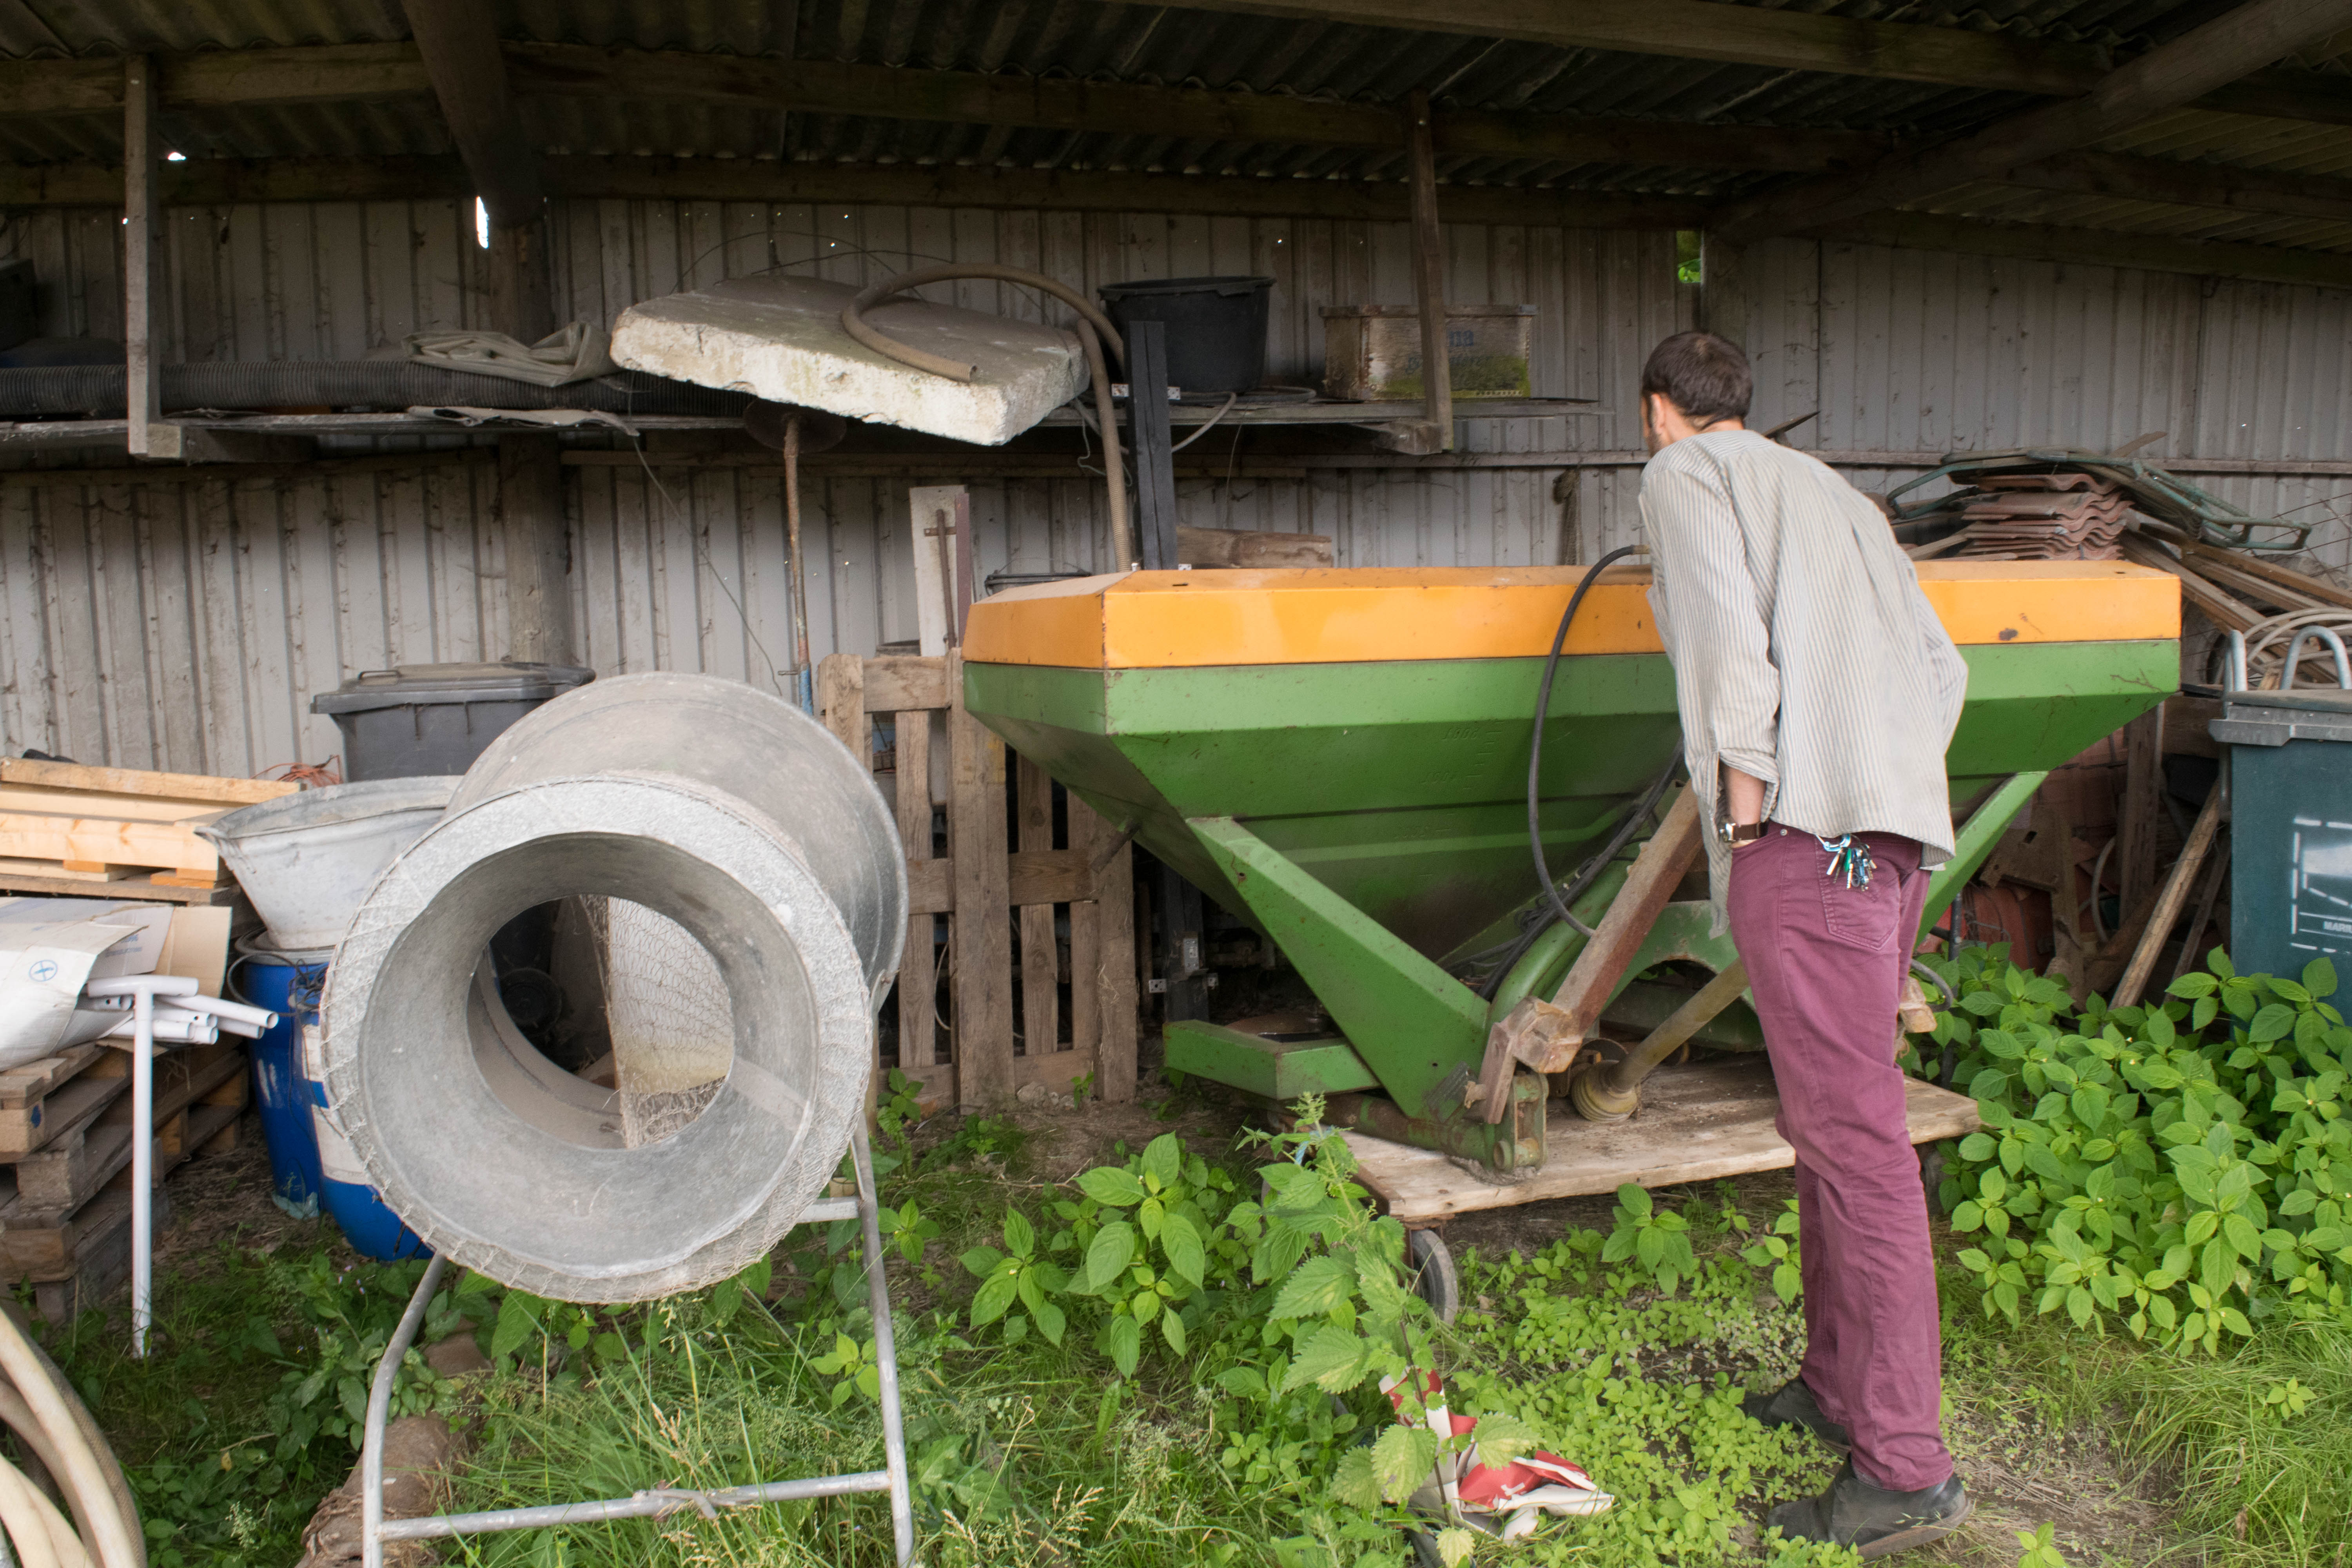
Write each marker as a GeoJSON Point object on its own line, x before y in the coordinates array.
{"type": "Point", "coordinates": [757, 909]}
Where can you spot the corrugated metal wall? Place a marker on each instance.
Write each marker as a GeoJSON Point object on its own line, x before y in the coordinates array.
{"type": "Point", "coordinates": [178, 623]}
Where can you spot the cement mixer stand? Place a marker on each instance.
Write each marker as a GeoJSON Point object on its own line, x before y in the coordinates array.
{"type": "Point", "coordinates": [376, 1529]}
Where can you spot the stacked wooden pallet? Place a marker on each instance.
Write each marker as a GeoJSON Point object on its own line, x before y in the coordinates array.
{"type": "Point", "coordinates": [65, 1158]}
{"type": "Point", "coordinates": [66, 829]}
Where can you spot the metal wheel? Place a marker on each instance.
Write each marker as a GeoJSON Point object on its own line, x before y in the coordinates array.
{"type": "Point", "coordinates": [1434, 1279]}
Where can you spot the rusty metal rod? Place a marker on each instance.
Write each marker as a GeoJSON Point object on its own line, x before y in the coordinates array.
{"type": "Point", "coordinates": [1612, 1092]}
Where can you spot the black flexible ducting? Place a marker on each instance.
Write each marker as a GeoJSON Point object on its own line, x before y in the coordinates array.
{"type": "Point", "coordinates": [96, 391]}
{"type": "Point", "coordinates": [1534, 742]}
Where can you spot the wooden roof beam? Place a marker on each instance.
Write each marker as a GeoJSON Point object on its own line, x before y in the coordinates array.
{"type": "Point", "coordinates": [2221, 51]}
{"type": "Point", "coordinates": [2179, 184]}
{"type": "Point", "coordinates": [459, 41]}
{"type": "Point", "coordinates": [2097, 247]}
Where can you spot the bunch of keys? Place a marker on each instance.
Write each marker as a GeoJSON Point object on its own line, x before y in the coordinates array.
{"type": "Point", "coordinates": [1850, 855]}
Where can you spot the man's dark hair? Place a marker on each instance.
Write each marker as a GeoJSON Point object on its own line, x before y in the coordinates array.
{"type": "Point", "coordinates": [1704, 376]}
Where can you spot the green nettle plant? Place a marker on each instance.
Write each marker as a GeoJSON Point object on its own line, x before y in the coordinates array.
{"type": "Point", "coordinates": [2182, 1168]}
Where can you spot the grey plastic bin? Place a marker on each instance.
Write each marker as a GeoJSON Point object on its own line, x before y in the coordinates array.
{"type": "Point", "coordinates": [2290, 828]}
{"type": "Point", "coordinates": [422, 719]}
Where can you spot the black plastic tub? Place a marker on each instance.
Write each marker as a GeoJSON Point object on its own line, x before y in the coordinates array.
{"type": "Point", "coordinates": [1216, 328]}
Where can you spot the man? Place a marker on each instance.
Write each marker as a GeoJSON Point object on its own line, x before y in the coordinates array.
{"type": "Point", "coordinates": [1818, 693]}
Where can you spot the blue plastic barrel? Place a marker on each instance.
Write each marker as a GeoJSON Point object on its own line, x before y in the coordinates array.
{"type": "Point", "coordinates": [371, 1228]}
{"type": "Point", "coordinates": [297, 1184]}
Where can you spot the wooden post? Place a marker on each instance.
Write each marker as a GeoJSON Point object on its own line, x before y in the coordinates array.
{"type": "Point", "coordinates": [2143, 805]}
{"type": "Point", "coordinates": [1041, 964]}
{"type": "Point", "coordinates": [983, 928]}
{"type": "Point", "coordinates": [1593, 979]}
{"type": "Point", "coordinates": [919, 1024]}
{"type": "Point", "coordinates": [1429, 272]}
{"type": "Point", "coordinates": [2175, 895]}
{"type": "Point", "coordinates": [142, 241]}
{"type": "Point", "coordinates": [538, 547]}
{"type": "Point", "coordinates": [1102, 960]}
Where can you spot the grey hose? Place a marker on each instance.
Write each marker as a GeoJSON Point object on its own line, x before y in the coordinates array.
{"type": "Point", "coordinates": [1095, 330]}
{"type": "Point", "coordinates": [96, 391]}
{"type": "Point", "coordinates": [101, 1499]}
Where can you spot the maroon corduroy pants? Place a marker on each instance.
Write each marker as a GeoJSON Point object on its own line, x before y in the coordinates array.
{"type": "Point", "coordinates": [1825, 964]}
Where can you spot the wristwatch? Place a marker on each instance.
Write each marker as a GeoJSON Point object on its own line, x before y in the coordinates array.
{"type": "Point", "coordinates": [1738, 832]}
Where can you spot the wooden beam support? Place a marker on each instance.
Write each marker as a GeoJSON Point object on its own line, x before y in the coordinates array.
{"type": "Point", "coordinates": [2097, 247]}
{"type": "Point", "coordinates": [211, 182]}
{"type": "Point", "coordinates": [459, 41]}
{"type": "Point", "coordinates": [1723, 293]}
{"type": "Point", "coordinates": [1728, 33]}
{"type": "Point", "coordinates": [2234, 44]}
{"type": "Point", "coordinates": [2291, 195]}
{"type": "Point", "coordinates": [142, 242]}
{"type": "Point", "coordinates": [1429, 274]}
{"type": "Point", "coordinates": [538, 550]}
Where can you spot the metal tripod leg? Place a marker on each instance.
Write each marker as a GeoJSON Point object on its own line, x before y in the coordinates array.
{"type": "Point", "coordinates": [375, 1530]}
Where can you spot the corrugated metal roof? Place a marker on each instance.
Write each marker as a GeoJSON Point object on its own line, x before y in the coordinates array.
{"type": "Point", "coordinates": [1165, 46]}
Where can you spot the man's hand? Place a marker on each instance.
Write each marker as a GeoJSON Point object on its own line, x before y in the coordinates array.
{"type": "Point", "coordinates": [1743, 797]}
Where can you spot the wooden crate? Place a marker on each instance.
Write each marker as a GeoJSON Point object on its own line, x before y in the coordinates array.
{"type": "Point", "coordinates": [68, 829]}
{"type": "Point", "coordinates": [996, 896]}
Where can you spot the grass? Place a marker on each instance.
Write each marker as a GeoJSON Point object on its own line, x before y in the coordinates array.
{"type": "Point", "coordinates": [1036, 1457]}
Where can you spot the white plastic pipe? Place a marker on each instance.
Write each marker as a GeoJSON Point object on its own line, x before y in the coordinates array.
{"type": "Point", "coordinates": [143, 989]}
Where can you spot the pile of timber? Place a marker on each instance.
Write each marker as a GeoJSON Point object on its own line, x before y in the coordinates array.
{"type": "Point", "coordinates": [65, 1158]}
{"type": "Point", "coordinates": [114, 832]}
{"type": "Point", "coordinates": [2252, 593]}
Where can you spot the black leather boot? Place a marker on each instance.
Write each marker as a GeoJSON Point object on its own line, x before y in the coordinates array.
{"type": "Point", "coordinates": [1872, 1520]}
{"type": "Point", "coordinates": [1792, 1405]}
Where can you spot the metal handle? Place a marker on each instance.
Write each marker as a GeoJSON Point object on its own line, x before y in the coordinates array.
{"type": "Point", "coordinates": [2295, 658]}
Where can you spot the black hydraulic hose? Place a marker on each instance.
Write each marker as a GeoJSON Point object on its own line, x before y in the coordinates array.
{"type": "Point", "coordinates": [1627, 826]}
{"type": "Point", "coordinates": [1534, 742]}
{"type": "Point", "coordinates": [98, 390]}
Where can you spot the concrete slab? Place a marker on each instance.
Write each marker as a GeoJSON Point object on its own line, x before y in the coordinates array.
{"type": "Point", "coordinates": [781, 338]}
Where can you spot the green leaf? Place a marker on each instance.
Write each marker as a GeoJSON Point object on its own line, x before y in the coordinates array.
{"type": "Point", "coordinates": [2272, 1022]}
{"type": "Point", "coordinates": [2188, 987]}
{"type": "Point", "coordinates": [2235, 1322]}
{"type": "Point", "coordinates": [1331, 1358]}
{"type": "Point", "coordinates": [1163, 1159]}
{"type": "Point", "coordinates": [2319, 977]}
{"type": "Point", "coordinates": [1354, 1483]}
{"type": "Point", "coordinates": [518, 1321]}
{"type": "Point", "coordinates": [1125, 1337]}
{"type": "Point", "coordinates": [994, 1298]}
{"type": "Point", "coordinates": [1503, 1438]}
{"type": "Point", "coordinates": [1112, 1186]}
{"type": "Point", "coordinates": [2090, 1103]}
{"type": "Point", "coordinates": [1181, 1240]}
{"type": "Point", "coordinates": [1020, 1237]}
{"type": "Point", "coordinates": [1052, 1321]}
{"type": "Point", "coordinates": [1172, 1326]}
{"type": "Point", "coordinates": [1249, 1382]}
{"type": "Point", "coordinates": [2203, 1014]}
{"type": "Point", "coordinates": [1455, 1545]}
{"type": "Point", "coordinates": [1314, 1288]}
{"type": "Point", "coordinates": [1636, 1200]}
{"type": "Point", "coordinates": [1112, 1251]}
{"type": "Point", "coordinates": [2241, 1234]}
{"type": "Point", "coordinates": [1402, 1459]}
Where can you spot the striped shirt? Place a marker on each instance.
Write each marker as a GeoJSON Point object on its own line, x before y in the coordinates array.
{"type": "Point", "coordinates": [1804, 652]}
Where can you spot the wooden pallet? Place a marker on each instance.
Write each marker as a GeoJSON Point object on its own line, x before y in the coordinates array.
{"type": "Point", "coordinates": [65, 827]}
{"type": "Point", "coordinates": [44, 1101]}
{"type": "Point", "coordinates": [995, 894]}
{"type": "Point", "coordinates": [1697, 1123]}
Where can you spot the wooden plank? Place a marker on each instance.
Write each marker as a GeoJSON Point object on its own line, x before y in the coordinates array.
{"type": "Point", "coordinates": [1697, 1123]}
{"type": "Point", "coordinates": [43, 878]}
{"type": "Point", "coordinates": [2173, 899]}
{"type": "Point", "coordinates": [193, 787]}
{"type": "Point", "coordinates": [1041, 963]}
{"type": "Point", "coordinates": [538, 553]}
{"type": "Point", "coordinates": [931, 514]}
{"type": "Point", "coordinates": [2142, 808]}
{"type": "Point", "coordinates": [27, 1082]}
{"type": "Point", "coordinates": [80, 872]}
{"type": "Point", "coordinates": [983, 928]}
{"type": "Point", "coordinates": [142, 244]}
{"type": "Point", "coordinates": [1429, 273]}
{"type": "Point", "coordinates": [2229, 614]}
{"type": "Point", "coordinates": [27, 1129]}
{"type": "Point", "coordinates": [2188, 184]}
{"type": "Point", "coordinates": [1648, 886]}
{"type": "Point", "coordinates": [1107, 974]}
{"type": "Point", "coordinates": [918, 974]}
{"type": "Point", "coordinates": [2254, 566]}
{"type": "Point", "coordinates": [1743, 34]}
{"type": "Point", "coordinates": [91, 803]}
{"type": "Point", "coordinates": [2245, 39]}
{"type": "Point", "coordinates": [1032, 877]}
{"type": "Point", "coordinates": [899, 684]}
{"type": "Point", "coordinates": [2096, 248]}
{"type": "Point", "coordinates": [458, 43]}
{"type": "Point", "coordinates": [107, 840]}
{"type": "Point", "coordinates": [841, 703]}
{"type": "Point", "coordinates": [1241, 547]}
